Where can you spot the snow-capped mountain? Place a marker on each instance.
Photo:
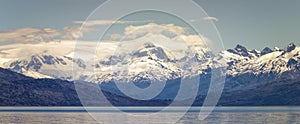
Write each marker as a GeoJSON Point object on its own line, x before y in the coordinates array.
{"type": "Point", "coordinates": [250, 68]}
{"type": "Point", "coordinates": [45, 60]}
{"type": "Point", "coordinates": [241, 60]}
{"type": "Point", "coordinates": [152, 57]}
{"type": "Point", "coordinates": [144, 60]}
{"type": "Point", "coordinates": [149, 62]}
{"type": "Point", "coordinates": [46, 65]}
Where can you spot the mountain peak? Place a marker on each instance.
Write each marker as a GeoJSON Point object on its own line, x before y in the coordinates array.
{"type": "Point", "coordinates": [151, 50]}
{"type": "Point", "coordinates": [149, 45]}
{"type": "Point", "coordinates": [290, 47]}
{"type": "Point", "coordinates": [240, 47]}
{"type": "Point", "coordinates": [241, 50]}
{"type": "Point", "coordinates": [266, 50]}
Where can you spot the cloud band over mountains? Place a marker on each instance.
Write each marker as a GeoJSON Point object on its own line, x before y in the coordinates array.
{"type": "Point", "coordinates": [37, 35]}
{"type": "Point", "coordinates": [29, 35]}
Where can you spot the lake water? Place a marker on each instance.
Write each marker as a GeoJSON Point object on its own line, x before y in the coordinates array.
{"type": "Point", "coordinates": [223, 115]}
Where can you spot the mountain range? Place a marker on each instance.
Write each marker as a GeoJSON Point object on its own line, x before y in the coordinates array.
{"type": "Point", "coordinates": [148, 61]}
{"type": "Point", "coordinates": [253, 77]}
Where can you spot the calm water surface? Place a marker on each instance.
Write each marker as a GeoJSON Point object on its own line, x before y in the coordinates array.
{"type": "Point", "coordinates": [221, 115]}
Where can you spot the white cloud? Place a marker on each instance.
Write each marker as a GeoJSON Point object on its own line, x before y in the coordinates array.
{"type": "Point", "coordinates": [29, 35]}
{"type": "Point", "coordinates": [105, 22]}
{"type": "Point", "coordinates": [210, 18]}
{"type": "Point", "coordinates": [72, 33]}
{"type": "Point", "coordinates": [115, 36]}
{"type": "Point", "coordinates": [133, 32]}
{"type": "Point", "coordinates": [170, 36]}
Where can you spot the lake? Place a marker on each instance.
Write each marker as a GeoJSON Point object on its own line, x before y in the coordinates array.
{"type": "Point", "coordinates": [133, 115]}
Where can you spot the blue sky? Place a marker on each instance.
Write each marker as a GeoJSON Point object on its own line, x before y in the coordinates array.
{"type": "Point", "coordinates": [44, 13]}
{"type": "Point", "coordinates": [253, 23]}
{"type": "Point", "coordinates": [256, 23]}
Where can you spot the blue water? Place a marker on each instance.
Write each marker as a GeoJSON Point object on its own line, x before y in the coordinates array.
{"type": "Point", "coordinates": [226, 115]}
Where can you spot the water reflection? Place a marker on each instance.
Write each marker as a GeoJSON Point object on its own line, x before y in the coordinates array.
{"type": "Point", "coordinates": [189, 118]}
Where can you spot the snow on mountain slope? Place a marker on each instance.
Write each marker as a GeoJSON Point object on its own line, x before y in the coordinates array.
{"type": "Point", "coordinates": [153, 57]}
{"type": "Point", "coordinates": [149, 63]}
{"type": "Point", "coordinates": [44, 60]}
{"type": "Point", "coordinates": [177, 45]}
{"type": "Point", "coordinates": [245, 71]}
{"type": "Point", "coordinates": [277, 61]}
{"type": "Point", "coordinates": [34, 74]}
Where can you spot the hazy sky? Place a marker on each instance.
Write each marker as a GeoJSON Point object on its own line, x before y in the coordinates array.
{"type": "Point", "coordinates": [253, 23]}
{"type": "Point", "coordinates": [256, 23]}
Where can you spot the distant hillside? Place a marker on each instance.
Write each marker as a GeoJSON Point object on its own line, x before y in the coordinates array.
{"type": "Point", "coordinates": [19, 90]}
{"type": "Point", "coordinates": [277, 93]}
